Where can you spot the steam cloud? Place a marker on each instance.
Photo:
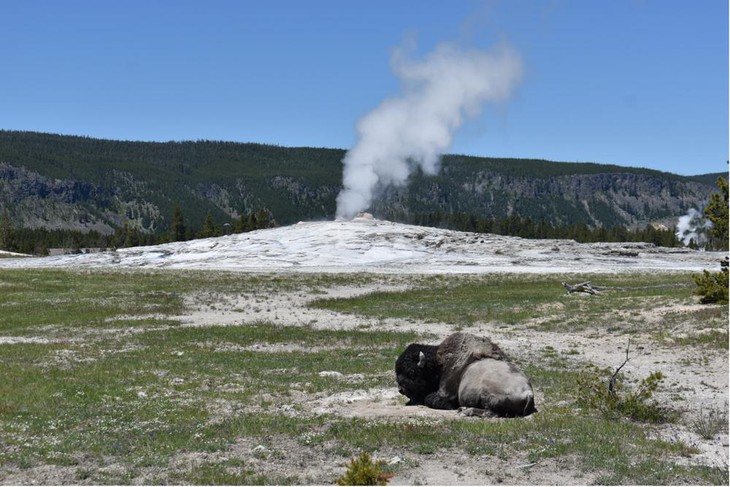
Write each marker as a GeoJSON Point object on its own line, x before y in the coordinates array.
{"type": "Point", "coordinates": [414, 129]}
{"type": "Point", "coordinates": [693, 226]}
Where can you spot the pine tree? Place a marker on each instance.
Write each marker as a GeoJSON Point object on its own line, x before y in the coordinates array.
{"type": "Point", "coordinates": [242, 224]}
{"type": "Point", "coordinates": [177, 229]}
{"type": "Point", "coordinates": [264, 218]}
{"type": "Point", "coordinates": [713, 286]}
{"type": "Point", "coordinates": [7, 232]}
{"type": "Point", "coordinates": [717, 211]}
{"type": "Point", "coordinates": [131, 236]}
{"type": "Point", "coordinates": [210, 229]}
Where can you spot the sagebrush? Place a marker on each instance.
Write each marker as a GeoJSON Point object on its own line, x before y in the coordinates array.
{"type": "Point", "coordinates": [364, 471]}
{"type": "Point", "coordinates": [637, 404]}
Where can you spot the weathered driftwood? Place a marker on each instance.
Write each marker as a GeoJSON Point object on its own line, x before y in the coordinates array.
{"type": "Point", "coordinates": [583, 287]}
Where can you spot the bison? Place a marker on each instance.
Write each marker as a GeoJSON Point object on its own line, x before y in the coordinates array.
{"type": "Point", "coordinates": [464, 372]}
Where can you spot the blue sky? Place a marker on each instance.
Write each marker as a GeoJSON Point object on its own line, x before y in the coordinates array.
{"type": "Point", "coordinates": [631, 82]}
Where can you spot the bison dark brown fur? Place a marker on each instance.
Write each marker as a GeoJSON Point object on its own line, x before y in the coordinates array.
{"type": "Point", "coordinates": [464, 371]}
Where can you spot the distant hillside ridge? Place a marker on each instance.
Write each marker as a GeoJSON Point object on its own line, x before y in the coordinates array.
{"type": "Point", "coordinates": [81, 183]}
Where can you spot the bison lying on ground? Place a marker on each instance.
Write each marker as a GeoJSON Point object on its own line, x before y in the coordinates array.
{"type": "Point", "coordinates": [465, 372]}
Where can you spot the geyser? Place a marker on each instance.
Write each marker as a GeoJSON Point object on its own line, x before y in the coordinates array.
{"type": "Point", "coordinates": [693, 227]}
{"type": "Point", "coordinates": [412, 130]}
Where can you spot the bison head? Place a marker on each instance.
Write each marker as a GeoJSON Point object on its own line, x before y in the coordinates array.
{"type": "Point", "coordinates": [417, 372]}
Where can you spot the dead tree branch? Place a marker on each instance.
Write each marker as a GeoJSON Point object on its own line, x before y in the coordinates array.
{"type": "Point", "coordinates": [612, 380]}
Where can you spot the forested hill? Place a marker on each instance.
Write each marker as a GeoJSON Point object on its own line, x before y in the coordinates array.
{"type": "Point", "coordinates": [67, 182]}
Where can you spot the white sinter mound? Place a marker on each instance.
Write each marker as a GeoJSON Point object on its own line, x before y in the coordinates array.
{"type": "Point", "coordinates": [380, 246]}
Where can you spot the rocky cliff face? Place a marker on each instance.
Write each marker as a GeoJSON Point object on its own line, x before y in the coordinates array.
{"type": "Point", "coordinates": [602, 199]}
{"type": "Point", "coordinates": [627, 199]}
{"type": "Point", "coordinates": [38, 201]}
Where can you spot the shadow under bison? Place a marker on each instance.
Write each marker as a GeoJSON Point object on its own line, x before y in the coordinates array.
{"type": "Point", "coordinates": [464, 372]}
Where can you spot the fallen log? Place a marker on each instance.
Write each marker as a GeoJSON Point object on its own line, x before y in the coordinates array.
{"type": "Point", "coordinates": [583, 287]}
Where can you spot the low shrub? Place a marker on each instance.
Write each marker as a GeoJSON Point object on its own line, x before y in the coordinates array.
{"type": "Point", "coordinates": [708, 424]}
{"type": "Point", "coordinates": [364, 471]}
{"type": "Point", "coordinates": [612, 397]}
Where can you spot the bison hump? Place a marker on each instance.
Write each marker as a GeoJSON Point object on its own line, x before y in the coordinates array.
{"type": "Point", "coordinates": [460, 349]}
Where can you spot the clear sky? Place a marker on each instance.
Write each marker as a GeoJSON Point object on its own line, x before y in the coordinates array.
{"type": "Point", "coordinates": [631, 82]}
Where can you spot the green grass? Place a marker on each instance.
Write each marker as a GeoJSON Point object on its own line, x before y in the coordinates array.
{"type": "Point", "coordinates": [537, 301]}
{"type": "Point", "coordinates": [458, 300]}
{"type": "Point", "coordinates": [226, 472]}
{"type": "Point", "coordinates": [33, 299]}
{"type": "Point", "coordinates": [162, 395]}
{"type": "Point", "coordinates": [94, 395]}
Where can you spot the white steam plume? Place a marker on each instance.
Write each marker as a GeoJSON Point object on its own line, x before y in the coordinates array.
{"type": "Point", "coordinates": [693, 226]}
{"type": "Point", "coordinates": [414, 129]}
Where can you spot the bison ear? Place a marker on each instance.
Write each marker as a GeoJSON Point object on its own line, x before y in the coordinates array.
{"type": "Point", "coordinates": [421, 360]}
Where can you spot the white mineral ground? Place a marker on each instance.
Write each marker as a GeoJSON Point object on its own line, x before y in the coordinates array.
{"type": "Point", "coordinates": [365, 245]}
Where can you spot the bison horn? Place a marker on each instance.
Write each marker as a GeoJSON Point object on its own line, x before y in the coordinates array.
{"type": "Point", "coordinates": [421, 360]}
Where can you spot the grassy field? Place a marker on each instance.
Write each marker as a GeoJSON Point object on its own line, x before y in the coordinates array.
{"type": "Point", "coordinates": [104, 383]}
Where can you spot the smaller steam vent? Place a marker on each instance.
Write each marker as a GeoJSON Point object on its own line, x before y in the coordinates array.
{"type": "Point", "coordinates": [363, 216]}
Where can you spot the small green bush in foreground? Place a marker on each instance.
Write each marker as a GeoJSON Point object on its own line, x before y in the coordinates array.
{"type": "Point", "coordinates": [363, 471]}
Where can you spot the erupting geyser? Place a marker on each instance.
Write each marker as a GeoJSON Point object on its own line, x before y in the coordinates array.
{"type": "Point", "coordinates": [414, 129]}
{"type": "Point", "coordinates": [693, 227]}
